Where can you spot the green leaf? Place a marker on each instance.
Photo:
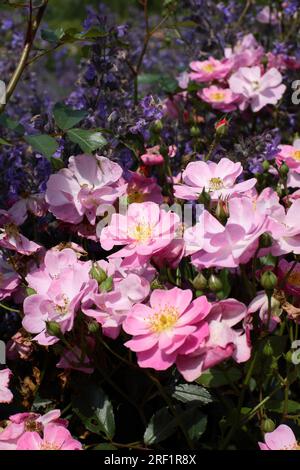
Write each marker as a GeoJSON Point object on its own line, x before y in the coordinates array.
{"type": "Point", "coordinates": [11, 124]}
{"type": "Point", "coordinates": [66, 117]}
{"type": "Point", "coordinates": [161, 426]}
{"type": "Point", "coordinates": [217, 378]}
{"type": "Point", "coordinates": [104, 446]}
{"type": "Point", "coordinates": [94, 409]}
{"type": "Point", "coordinates": [278, 406]}
{"type": "Point", "coordinates": [89, 141]}
{"type": "Point", "coordinates": [57, 163]}
{"type": "Point", "coordinates": [5, 142]}
{"type": "Point", "coordinates": [43, 144]}
{"type": "Point", "coordinates": [187, 393]}
{"type": "Point", "coordinates": [195, 423]}
{"type": "Point", "coordinates": [52, 36]}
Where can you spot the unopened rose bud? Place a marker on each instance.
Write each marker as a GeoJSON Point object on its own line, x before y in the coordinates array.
{"type": "Point", "coordinates": [267, 349]}
{"type": "Point", "coordinates": [221, 127]}
{"type": "Point", "coordinates": [53, 329]}
{"type": "Point", "coordinates": [265, 240]}
{"type": "Point", "coordinates": [157, 126]}
{"type": "Point", "coordinates": [221, 211]}
{"type": "Point", "coordinates": [283, 170]}
{"type": "Point", "coordinates": [106, 286]}
{"type": "Point", "coordinates": [204, 198]}
{"type": "Point", "coordinates": [269, 281]}
{"type": "Point", "coordinates": [98, 273]}
{"type": "Point", "coordinates": [93, 327]}
{"type": "Point", "coordinates": [268, 425]}
{"type": "Point", "coordinates": [266, 165]}
{"type": "Point", "coordinates": [195, 131]}
{"type": "Point", "coordinates": [200, 282]}
{"type": "Point", "coordinates": [214, 283]}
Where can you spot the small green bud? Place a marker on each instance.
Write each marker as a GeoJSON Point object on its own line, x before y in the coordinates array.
{"type": "Point", "coordinates": [214, 283]}
{"type": "Point", "coordinates": [266, 165]}
{"type": "Point", "coordinates": [265, 240]}
{"type": "Point", "coordinates": [98, 273]}
{"type": "Point", "coordinates": [221, 295]}
{"type": "Point", "coordinates": [53, 329]}
{"type": "Point", "coordinates": [200, 282]}
{"type": "Point", "coordinates": [267, 349]}
{"type": "Point", "coordinates": [93, 327]}
{"type": "Point", "coordinates": [283, 170]}
{"type": "Point", "coordinates": [288, 356]}
{"type": "Point", "coordinates": [198, 293]}
{"type": "Point", "coordinates": [268, 425]}
{"type": "Point", "coordinates": [157, 126]}
{"type": "Point", "coordinates": [195, 131]}
{"type": "Point", "coordinates": [204, 198]}
{"type": "Point", "coordinates": [156, 284]}
{"type": "Point", "coordinates": [106, 286]}
{"type": "Point", "coordinates": [269, 281]}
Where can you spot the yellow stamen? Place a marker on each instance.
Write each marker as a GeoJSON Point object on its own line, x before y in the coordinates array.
{"type": "Point", "coordinates": [217, 96]}
{"type": "Point", "coordinates": [215, 184]}
{"type": "Point", "coordinates": [164, 319]}
{"type": "Point", "coordinates": [49, 446]}
{"type": "Point", "coordinates": [142, 232]}
{"type": "Point", "coordinates": [208, 68]}
{"type": "Point", "coordinates": [296, 155]}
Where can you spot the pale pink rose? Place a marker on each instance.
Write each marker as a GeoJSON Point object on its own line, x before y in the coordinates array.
{"type": "Point", "coordinates": [218, 179]}
{"type": "Point", "coordinates": [54, 438]}
{"type": "Point", "coordinates": [19, 346]}
{"type": "Point", "coordinates": [211, 69]}
{"type": "Point", "coordinates": [246, 53]}
{"type": "Point", "coordinates": [222, 342]}
{"type": "Point", "coordinates": [260, 304]}
{"type": "Point", "coordinates": [142, 189]}
{"type": "Point", "coordinates": [111, 308]}
{"type": "Point", "coordinates": [87, 183]}
{"type": "Point", "coordinates": [235, 243]}
{"type": "Point", "coordinates": [171, 325]}
{"type": "Point", "coordinates": [12, 239]}
{"type": "Point", "coordinates": [60, 285]}
{"type": "Point", "coordinates": [144, 230]}
{"type": "Point", "coordinates": [282, 438]}
{"type": "Point", "coordinates": [6, 395]}
{"type": "Point", "coordinates": [9, 279]}
{"type": "Point", "coordinates": [34, 204]}
{"type": "Point", "coordinates": [267, 16]}
{"type": "Point", "coordinates": [20, 423]}
{"type": "Point", "coordinates": [257, 89]}
{"type": "Point", "coordinates": [219, 98]}
{"type": "Point", "coordinates": [288, 237]}
{"type": "Point", "coordinates": [183, 80]}
{"type": "Point", "coordinates": [290, 155]}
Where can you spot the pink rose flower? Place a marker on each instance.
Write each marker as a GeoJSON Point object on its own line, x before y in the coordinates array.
{"type": "Point", "coordinates": [171, 325]}
{"type": "Point", "coordinates": [144, 230]}
{"type": "Point", "coordinates": [9, 279]}
{"type": "Point", "coordinates": [222, 342]}
{"type": "Point", "coordinates": [54, 438]}
{"type": "Point", "coordinates": [20, 423]}
{"type": "Point", "coordinates": [257, 89]}
{"type": "Point", "coordinates": [87, 183]}
{"type": "Point", "coordinates": [282, 438]}
{"type": "Point", "coordinates": [222, 99]}
{"type": "Point", "coordinates": [209, 70]}
{"type": "Point", "coordinates": [142, 189]}
{"type": "Point", "coordinates": [267, 16]}
{"type": "Point", "coordinates": [60, 285]}
{"type": "Point", "coordinates": [218, 179]}
{"type": "Point", "coordinates": [12, 239]}
{"type": "Point", "coordinates": [111, 308]}
{"type": "Point", "coordinates": [260, 304]}
{"type": "Point", "coordinates": [6, 395]}
{"type": "Point", "coordinates": [246, 53]}
{"type": "Point", "coordinates": [153, 157]}
{"type": "Point", "coordinates": [288, 236]}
